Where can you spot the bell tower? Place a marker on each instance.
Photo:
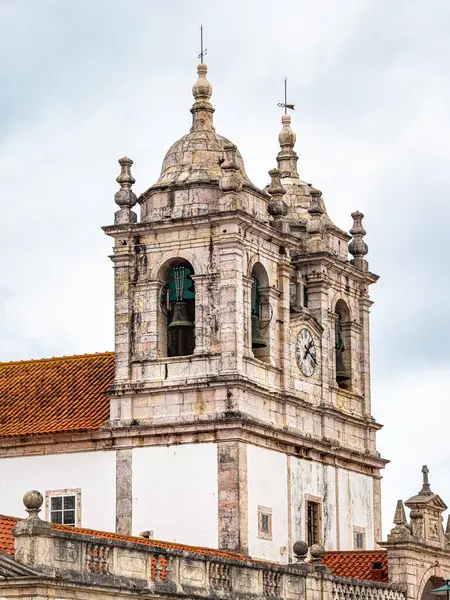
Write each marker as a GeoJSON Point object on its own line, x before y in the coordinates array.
{"type": "Point", "coordinates": [242, 334]}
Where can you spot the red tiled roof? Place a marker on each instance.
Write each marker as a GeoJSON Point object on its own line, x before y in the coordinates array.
{"type": "Point", "coordinates": [6, 536]}
{"type": "Point", "coordinates": [359, 564]}
{"type": "Point", "coordinates": [55, 394]}
{"type": "Point", "coordinates": [7, 540]}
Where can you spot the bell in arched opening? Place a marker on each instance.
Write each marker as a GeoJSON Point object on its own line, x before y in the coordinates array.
{"type": "Point", "coordinates": [181, 317]}
{"type": "Point", "coordinates": [257, 339]}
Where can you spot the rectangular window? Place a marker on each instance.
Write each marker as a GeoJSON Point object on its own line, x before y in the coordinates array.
{"type": "Point", "coordinates": [359, 538]}
{"type": "Point", "coordinates": [313, 522]}
{"type": "Point", "coordinates": [264, 522]}
{"type": "Point", "coordinates": [63, 507]}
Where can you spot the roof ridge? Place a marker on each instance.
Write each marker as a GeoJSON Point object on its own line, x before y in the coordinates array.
{"type": "Point", "coordinates": [10, 518]}
{"type": "Point", "coordinates": [355, 551]}
{"type": "Point", "coordinates": [57, 358]}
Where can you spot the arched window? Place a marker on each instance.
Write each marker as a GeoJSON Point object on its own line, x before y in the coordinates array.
{"type": "Point", "coordinates": [342, 346]}
{"type": "Point", "coordinates": [260, 314]}
{"type": "Point", "coordinates": [178, 304]}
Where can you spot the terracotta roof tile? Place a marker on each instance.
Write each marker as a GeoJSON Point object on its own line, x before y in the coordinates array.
{"type": "Point", "coordinates": [7, 540]}
{"type": "Point", "coordinates": [55, 394]}
{"type": "Point", "coordinates": [6, 536]}
{"type": "Point", "coordinates": [359, 564]}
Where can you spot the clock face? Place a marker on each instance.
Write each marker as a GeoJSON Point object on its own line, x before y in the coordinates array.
{"type": "Point", "coordinates": [305, 352]}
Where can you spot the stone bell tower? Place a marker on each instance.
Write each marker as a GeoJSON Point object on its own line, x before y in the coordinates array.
{"type": "Point", "coordinates": [242, 329]}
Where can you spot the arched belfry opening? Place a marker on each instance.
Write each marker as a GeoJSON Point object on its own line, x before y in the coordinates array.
{"type": "Point", "coordinates": [342, 346]}
{"type": "Point", "coordinates": [260, 313]}
{"type": "Point", "coordinates": [177, 325]}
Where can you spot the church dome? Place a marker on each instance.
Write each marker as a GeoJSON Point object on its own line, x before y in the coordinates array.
{"type": "Point", "coordinates": [197, 157]}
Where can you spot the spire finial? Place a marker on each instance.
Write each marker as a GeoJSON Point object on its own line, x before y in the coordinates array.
{"type": "Point", "coordinates": [285, 104]}
{"type": "Point", "coordinates": [202, 110]}
{"type": "Point", "coordinates": [287, 157]}
{"type": "Point", "coordinates": [125, 198]}
{"type": "Point", "coordinates": [426, 490]}
{"type": "Point", "coordinates": [358, 247]}
{"type": "Point", "coordinates": [205, 51]}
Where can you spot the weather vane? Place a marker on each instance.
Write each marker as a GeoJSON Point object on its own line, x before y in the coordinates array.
{"type": "Point", "coordinates": [202, 52]}
{"type": "Point", "coordinates": [285, 105]}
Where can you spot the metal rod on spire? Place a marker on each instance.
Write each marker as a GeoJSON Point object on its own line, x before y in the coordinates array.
{"type": "Point", "coordinates": [285, 105]}
{"type": "Point", "coordinates": [202, 52]}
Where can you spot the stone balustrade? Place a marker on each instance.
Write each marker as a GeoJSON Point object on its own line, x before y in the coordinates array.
{"type": "Point", "coordinates": [170, 569]}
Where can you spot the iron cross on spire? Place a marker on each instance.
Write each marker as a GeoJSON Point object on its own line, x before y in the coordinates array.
{"type": "Point", "coordinates": [426, 484]}
{"type": "Point", "coordinates": [285, 105]}
{"type": "Point", "coordinates": [202, 52]}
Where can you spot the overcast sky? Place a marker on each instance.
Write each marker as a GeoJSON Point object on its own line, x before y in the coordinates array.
{"type": "Point", "coordinates": [86, 81]}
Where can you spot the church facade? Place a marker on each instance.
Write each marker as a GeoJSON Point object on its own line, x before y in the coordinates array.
{"type": "Point", "coordinates": [235, 412]}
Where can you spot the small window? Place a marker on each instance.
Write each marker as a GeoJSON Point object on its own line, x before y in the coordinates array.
{"type": "Point", "coordinates": [313, 522]}
{"type": "Point", "coordinates": [264, 523]}
{"type": "Point", "coordinates": [359, 538]}
{"type": "Point", "coordinates": [63, 507]}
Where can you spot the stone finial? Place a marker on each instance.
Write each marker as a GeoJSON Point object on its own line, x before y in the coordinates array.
{"type": "Point", "coordinates": [300, 549]}
{"type": "Point", "coordinates": [447, 527]}
{"type": "Point", "coordinates": [202, 89]}
{"type": "Point", "coordinates": [33, 501]}
{"type": "Point", "coordinates": [202, 109]}
{"type": "Point", "coordinates": [287, 137]}
{"type": "Point", "coordinates": [357, 247]}
{"type": "Point", "coordinates": [315, 207]}
{"type": "Point", "coordinates": [230, 181]}
{"type": "Point", "coordinates": [426, 490]}
{"type": "Point", "coordinates": [33, 524]}
{"type": "Point", "coordinates": [317, 552]}
{"type": "Point", "coordinates": [315, 225]}
{"type": "Point", "coordinates": [287, 157]}
{"type": "Point", "coordinates": [401, 529]}
{"type": "Point", "coordinates": [400, 515]}
{"type": "Point", "coordinates": [277, 206]}
{"type": "Point", "coordinates": [125, 198]}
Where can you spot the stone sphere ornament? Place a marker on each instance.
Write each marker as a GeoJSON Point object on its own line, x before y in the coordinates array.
{"type": "Point", "coordinates": [33, 500]}
{"type": "Point", "coordinates": [300, 549]}
{"type": "Point", "coordinates": [317, 551]}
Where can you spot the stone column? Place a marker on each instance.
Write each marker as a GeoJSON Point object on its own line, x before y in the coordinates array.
{"type": "Point", "coordinates": [207, 319]}
{"type": "Point", "coordinates": [232, 496]}
{"type": "Point", "coordinates": [230, 310]}
{"type": "Point", "coordinates": [284, 281]}
{"type": "Point", "coordinates": [122, 260]}
{"type": "Point", "coordinates": [365, 303]}
{"type": "Point", "coordinates": [124, 494]}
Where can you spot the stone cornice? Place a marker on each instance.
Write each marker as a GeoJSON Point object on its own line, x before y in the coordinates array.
{"type": "Point", "coordinates": [337, 264]}
{"type": "Point", "coordinates": [234, 427]}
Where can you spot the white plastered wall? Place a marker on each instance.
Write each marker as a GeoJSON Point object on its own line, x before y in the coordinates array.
{"type": "Point", "coordinates": [318, 480]}
{"type": "Point", "coordinates": [267, 486]}
{"type": "Point", "coordinates": [175, 493]}
{"type": "Point", "coordinates": [92, 472]}
{"type": "Point", "coordinates": [355, 507]}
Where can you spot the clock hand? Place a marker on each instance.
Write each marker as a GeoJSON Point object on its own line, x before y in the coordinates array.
{"type": "Point", "coordinates": [307, 350]}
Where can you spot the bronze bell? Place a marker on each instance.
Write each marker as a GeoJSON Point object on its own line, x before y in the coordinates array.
{"type": "Point", "coordinates": [341, 372]}
{"type": "Point", "coordinates": [180, 316]}
{"type": "Point", "coordinates": [257, 341]}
